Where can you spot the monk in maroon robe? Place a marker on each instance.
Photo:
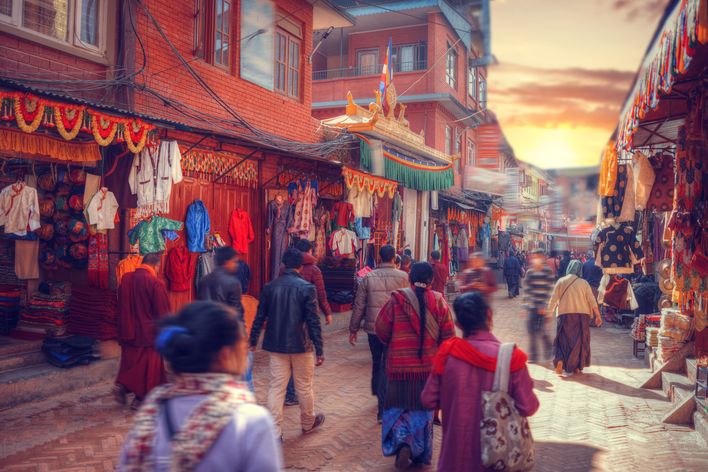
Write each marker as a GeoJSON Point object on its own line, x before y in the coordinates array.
{"type": "Point", "coordinates": [142, 301]}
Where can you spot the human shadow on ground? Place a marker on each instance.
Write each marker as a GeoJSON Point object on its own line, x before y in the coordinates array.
{"type": "Point", "coordinates": [568, 457]}
{"type": "Point", "coordinates": [543, 386]}
{"type": "Point", "coordinates": [603, 383]}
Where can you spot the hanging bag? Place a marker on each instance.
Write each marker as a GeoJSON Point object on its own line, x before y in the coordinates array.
{"type": "Point", "coordinates": [506, 438]}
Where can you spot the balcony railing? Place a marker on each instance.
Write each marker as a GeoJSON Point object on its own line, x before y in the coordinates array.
{"type": "Point", "coordinates": [362, 71]}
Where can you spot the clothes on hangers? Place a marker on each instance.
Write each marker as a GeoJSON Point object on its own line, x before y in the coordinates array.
{"type": "Point", "coordinates": [128, 265]}
{"type": "Point", "coordinates": [19, 209]}
{"type": "Point", "coordinates": [152, 175]}
{"type": "Point", "coordinates": [662, 192]}
{"type": "Point", "coordinates": [179, 269]}
{"type": "Point", "coordinates": [617, 249]}
{"type": "Point", "coordinates": [149, 233]}
{"type": "Point", "coordinates": [279, 222]}
{"type": "Point", "coordinates": [198, 226]}
{"type": "Point", "coordinates": [612, 205]}
{"type": "Point", "coordinates": [102, 209]}
{"type": "Point", "coordinates": [91, 187]}
{"type": "Point", "coordinates": [361, 201]}
{"type": "Point", "coordinates": [644, 177]}
{"type": "Point", "coordinates": [343, 242]}
{"type": "Point", "coordinates": [343, 215]}
{"type": "Point", "coordinates": [628, 203]}
{"type": "Point", "coordinates": [241, 230]}
{"type": "Point", "coordinates": [322, 227]}
{"type": "Point", "coordinates": [97, 271]}
{"type": "Point", "coordinates": [617, 292]}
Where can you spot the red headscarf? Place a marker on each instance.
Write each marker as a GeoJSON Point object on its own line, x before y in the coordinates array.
{"type": "Point", "coordinates": [463, 350]}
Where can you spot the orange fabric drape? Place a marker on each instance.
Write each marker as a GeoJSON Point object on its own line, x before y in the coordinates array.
{"type": "Point", "coordinates": [608, 171]}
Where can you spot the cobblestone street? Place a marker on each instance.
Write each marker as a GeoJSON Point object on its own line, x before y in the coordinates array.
{"type": "Point", "coordinates": [600, 420]}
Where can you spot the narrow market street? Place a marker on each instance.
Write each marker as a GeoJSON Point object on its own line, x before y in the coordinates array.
{"type": "Point", "coordinates": [599, 421]}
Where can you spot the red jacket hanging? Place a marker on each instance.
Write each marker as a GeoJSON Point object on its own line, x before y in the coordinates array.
{"type": "Point", "coordinates": [179, 269]}
{"type": "Point", "coordinates": [241, 231]}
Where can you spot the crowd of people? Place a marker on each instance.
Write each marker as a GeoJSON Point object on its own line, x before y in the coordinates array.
{"type": "Point", "coordinates": [430, 363]}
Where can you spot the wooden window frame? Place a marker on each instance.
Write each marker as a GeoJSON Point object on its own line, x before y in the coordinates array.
{"type": "Point", "coordinates": [471, 152]}
{"type": "Point", "coordinates": [359, 53]}
{"type": "Point", "coordinates": [291, 40]}
{"type": "Point", "coordinates": [451, 79]}
{"type": "Point", "coordinates": [205, 30]}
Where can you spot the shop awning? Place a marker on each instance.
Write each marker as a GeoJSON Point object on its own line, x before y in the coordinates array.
{"type": "Point", "coordinates": [676, 57]}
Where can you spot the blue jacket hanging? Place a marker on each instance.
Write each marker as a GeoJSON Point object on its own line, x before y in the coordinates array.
{"type": "Point", "coordinates": [198, 226]}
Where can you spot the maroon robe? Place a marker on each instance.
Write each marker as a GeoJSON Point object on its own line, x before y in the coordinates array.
{"type": "Point", "coordinates": [142, 301]}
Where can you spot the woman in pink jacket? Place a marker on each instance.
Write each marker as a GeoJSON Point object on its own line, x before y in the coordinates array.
{"type": "Point", "coordinates": [462, 370]}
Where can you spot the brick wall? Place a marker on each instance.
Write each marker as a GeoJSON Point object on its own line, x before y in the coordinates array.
{"type": "Point", "coordinates": [266, 110]}
{"type": "Point", "coordinates": [22, 58]}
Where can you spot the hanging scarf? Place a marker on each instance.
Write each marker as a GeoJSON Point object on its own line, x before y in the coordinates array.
{"type": "Point", "coordinates": [201, 429]}
{"type": "Point", "coordinates": [463, 350]}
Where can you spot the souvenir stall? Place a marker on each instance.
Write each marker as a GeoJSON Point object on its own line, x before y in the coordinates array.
{"type": "Point", "coordinates": [653, 207]}
{"type": "Point", "coordinates": [59, 214]}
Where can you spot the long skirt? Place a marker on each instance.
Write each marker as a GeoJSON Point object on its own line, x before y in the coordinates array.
{"type": "Point", "coordinates": [412, 428]}
{"type": "Point", "coordinates": [572, 343]}
{"type": "Point", "coordinates": [141, 370]}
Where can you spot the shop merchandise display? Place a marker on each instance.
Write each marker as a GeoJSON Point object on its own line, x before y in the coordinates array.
{"type": "Point", "coordinates": [153, 173]}
{"type": "Point", "coordinates": [46, 312]}
{"type": "Point", "coordinates": [27, 260]}
{"type": "Point", "coordinates": [10, 298]}
{"type": "Point", "coordinates": [343, 215]}
{"type": "Point", "coordinates": [343, 242]}
{"type": "Point", "coordinates": [615, 291]}
{"type": "Point", "coordinates": [19, 209]}
{"type": "Point", "coordinates": [612, 205]}
{"type": "Point", "coordinates": [241, 231]}
{"type": "Point", "coordinates": [198, 225]}
{"type": "Point", "coordinates": [279, 221]}
{"type": "Point", "coordinates": [101, 210]}
{"type": "Point", "coordinates": [93, 312]}
{"type": "Point", "coordinates": [617, 249]}
{"type": "Point", "coordinates": [644, 177]}
{"type": "Point", "coordinates": [662, 191]}
{"type": "Point", "coordinates": [322, 228]}
{"type": "Point", "coordinates": [179, 269]}
{"type": "Point", "coordinates": [627, 212]}
{"type": "Point", "coordinates": [305, 201]}
{"type": "Point", "coordinates": [128, 265]}
{"type": "Point", "coordinates": [97, 270]}
{"type": "Point", "coordinates": [149, 234]}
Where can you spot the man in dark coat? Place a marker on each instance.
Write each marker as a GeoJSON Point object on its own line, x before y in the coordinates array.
{"type": "Point", "coordinates": [512, 273]}
{"type": "Point", "coordinates": [142, 301]}
{"type": "Point", "coordinates": [288, 308]}
{"type": "Point", "coordinates": [222, 285]}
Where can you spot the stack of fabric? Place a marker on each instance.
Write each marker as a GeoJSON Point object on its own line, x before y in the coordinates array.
{"type": "Point", "coordinates": [10, 297]}
{"type": "Point", "coordinates": [652, 337]}
{"type": "Point", "coordinates": [45, 314]}
{"type": "Point", "coordinates": [93, 313]}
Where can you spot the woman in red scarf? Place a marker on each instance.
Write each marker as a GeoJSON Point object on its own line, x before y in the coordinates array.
{"type": "Point", "coordinates": [412, 325]}
{"type": "Point", "coordinates": [462, 370]}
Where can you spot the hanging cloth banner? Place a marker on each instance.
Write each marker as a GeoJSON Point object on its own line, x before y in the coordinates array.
{"type": "Point", "coordinates": [417, 175]}
{"type": "Point", "coordinates": [39, 145]}
{"type": "Point", "coordinates": [363, 181]}
{"type": "Point", "coordinates": [669, 57]}
{"type": "Point", "coordinates": [205, 164]}
{"type": "Point", "coordinates": [31, 111]}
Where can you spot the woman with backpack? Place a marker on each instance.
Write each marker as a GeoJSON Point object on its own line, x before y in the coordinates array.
{"type": "Point", "coordinates": [463, 369]}
{"type": "Point", "coordinates": [206, 419]}
{"type": "Point", "coordinates": [412, 324]}
{"type": "Point", "coordinates": [576, 304]}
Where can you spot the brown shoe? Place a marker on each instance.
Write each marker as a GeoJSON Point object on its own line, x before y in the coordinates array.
{"type": "Point", "coordinates": [319, 421]}
{"type": "Point", "coordinates": [403, 458]}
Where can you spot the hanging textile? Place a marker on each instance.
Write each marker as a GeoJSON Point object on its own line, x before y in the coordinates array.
{"type": "Point", "coordinates": [198, 226]}
{"type": "Point", "coordinates": [361, 181]}
{"type": "Point", "coordinates": [416, 175]}
{"type": "Point", "coordinates": [97, 271]}
{"type": "Point", "coordinates": [152, 175]}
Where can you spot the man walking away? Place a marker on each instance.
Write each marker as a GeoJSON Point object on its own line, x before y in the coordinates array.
{"type": "Point", "coordinates": [512, 274]}
{"type": "Point", "coordinates": [373, 293]}
{"type": "Point", "coordinates": [223, 286]}
{"type": "Point", "coordinates": [142, 301]}
{"type": "Point", "coordinates": [563, 265]}
{"type": "Point", "coordinates": [592, 274]}
{"type": "Point", "coordinates": [288, 305]}
{"type": "Point", "coordinates": [440, 272]}
{"type": "Point", "coordinates": [310, 273]}
{"type": "Point", "coordinates": [538, 284]}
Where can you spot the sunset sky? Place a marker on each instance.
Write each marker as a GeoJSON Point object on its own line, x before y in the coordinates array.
{"type": "Point", "coordinates": [565, 67]}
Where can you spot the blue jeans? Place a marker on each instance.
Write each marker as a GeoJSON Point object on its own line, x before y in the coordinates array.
{"type": "Point", "coordinates": [248, 376]}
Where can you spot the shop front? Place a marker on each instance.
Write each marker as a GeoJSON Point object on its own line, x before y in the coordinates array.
{"type": "Point", "coordinates": [651, 238]}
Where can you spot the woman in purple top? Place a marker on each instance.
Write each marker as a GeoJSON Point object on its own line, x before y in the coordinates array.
{"type": "Point", "coordinates": [206, 419]}
{"type": "Point", "coordinates": [463, 370]}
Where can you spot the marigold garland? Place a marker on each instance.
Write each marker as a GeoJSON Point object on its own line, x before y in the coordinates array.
{"type": "Point", "coordinates": [131, 137]}
{"type": "Point", "coordinates": [62, 121]}
{"type": "Point", "coordinates": [103, 135]}
{"type": "Point", "coordinates": [34, 117]}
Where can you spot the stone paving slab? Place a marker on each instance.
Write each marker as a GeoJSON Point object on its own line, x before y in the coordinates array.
{"type": "Point", "coordinates": [598, 421]}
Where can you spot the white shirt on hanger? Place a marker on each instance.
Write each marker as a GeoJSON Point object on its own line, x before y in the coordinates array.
{"type": "Point", "coordinates": [102, 209]}
{"type": "Point", "coordinates": [19, 209]}
{"type": "Point", "coordinates": [152, 175]}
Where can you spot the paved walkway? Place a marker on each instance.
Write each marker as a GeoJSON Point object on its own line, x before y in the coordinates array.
{"type": "Point", "coordinates": [599, 421]}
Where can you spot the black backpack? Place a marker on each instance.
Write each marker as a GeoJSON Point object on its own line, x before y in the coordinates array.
{"type": "Point", "coordinates": [69, 351]}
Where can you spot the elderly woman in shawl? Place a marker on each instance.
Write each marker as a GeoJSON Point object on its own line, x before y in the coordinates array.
{"type": "Point", "coordinates": [412, 324]}
{"type": "Point", "coordinates": [576, 304]}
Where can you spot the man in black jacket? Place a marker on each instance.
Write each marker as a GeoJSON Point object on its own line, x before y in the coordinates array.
{"type": "Point", "coordinates": [512, 273]}
{"type": "Point", "coordinates": [289, 306]}
{"type": "Point", "coordinates": [221, 285]}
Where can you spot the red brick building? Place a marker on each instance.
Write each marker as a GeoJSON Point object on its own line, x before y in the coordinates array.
{"type": "Point", "coordinates": [230, 79]}
{"type": "Point", "coordinates": [438, 63]}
